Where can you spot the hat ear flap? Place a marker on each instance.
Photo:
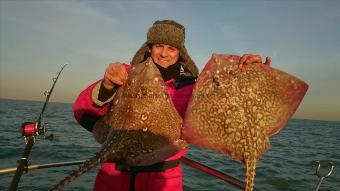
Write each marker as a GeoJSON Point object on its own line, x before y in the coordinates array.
{"type": "Point", "coordinates": [188, 64]}
{"type": "Point", "coordinates": [141, 54]}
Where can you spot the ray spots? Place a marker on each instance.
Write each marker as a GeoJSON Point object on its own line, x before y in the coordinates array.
{"type": "Point", "coordinates": [233, 110]}
{"type": "Point", "coordinates": [144, 126]}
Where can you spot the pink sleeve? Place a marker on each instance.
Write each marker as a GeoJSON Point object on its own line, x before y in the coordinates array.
{"type": "Point", "coordinates": [85, 111]}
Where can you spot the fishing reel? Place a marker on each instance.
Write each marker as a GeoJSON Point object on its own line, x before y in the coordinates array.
{"type": "Point", "coordinates": [32, 129]}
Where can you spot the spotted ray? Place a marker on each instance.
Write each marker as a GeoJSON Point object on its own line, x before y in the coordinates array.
{"type": "Point", "coordinates": [144, 124]}
{"type": "Point", "coordinates": [235, 109]}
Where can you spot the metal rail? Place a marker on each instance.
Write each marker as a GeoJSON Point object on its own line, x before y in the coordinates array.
{"type": "Point", "coordinates": [41, 166]}
{"type": "Point", "coordinates": [189, 162]}
{"type": "Point", "coordinates": [217, 174]}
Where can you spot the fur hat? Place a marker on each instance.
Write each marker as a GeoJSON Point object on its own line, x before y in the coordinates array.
{"type": "Point", "coordinates": [171, 33]}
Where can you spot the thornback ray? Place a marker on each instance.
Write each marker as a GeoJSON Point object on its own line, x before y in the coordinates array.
{"type": "Point", "coordinates": [234, 110]}
{"type": "Point", "coordinates": [144, 125]}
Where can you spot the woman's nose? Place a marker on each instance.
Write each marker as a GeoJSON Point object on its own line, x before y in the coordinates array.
{"type": "Point", "coordinates": [164, 52]}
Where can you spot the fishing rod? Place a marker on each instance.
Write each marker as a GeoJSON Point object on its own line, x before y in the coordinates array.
{"type": "Point", "coordinates": [29, 131]}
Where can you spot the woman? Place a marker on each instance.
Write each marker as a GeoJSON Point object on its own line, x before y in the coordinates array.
{"type": "Point", "coordinates": [165, 45]}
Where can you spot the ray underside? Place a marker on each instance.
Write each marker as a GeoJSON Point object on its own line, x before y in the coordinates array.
{"type": "Point", "coordinates": [235, 109]}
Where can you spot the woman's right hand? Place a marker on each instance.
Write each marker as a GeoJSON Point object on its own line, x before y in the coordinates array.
{"type": "Point", "coordinates": [115, 74]}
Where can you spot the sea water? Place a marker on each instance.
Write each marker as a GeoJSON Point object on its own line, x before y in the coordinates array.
{"type": "Point", "coordinates": [289, 164]}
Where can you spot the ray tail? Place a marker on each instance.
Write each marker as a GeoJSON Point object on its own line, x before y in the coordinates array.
{"type": "Point", "coordinates": [250, 174]}
{"type": "Point", "coordinates": [83, 168]}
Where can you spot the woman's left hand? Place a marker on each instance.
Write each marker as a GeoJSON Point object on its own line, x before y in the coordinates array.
{"type": "Point", "coordinates": [253, 58]}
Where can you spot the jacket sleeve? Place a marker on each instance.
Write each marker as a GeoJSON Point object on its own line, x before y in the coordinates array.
{"type": "Point", "coordinates": [88, 109]}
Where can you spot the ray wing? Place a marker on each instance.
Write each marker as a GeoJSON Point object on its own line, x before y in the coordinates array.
{"type": "Point", "coordinates": [143, 119]}
{"type": "Point", "coordinates": [144, 124]}
{"type": "Point", "coordinates": [234, 109]}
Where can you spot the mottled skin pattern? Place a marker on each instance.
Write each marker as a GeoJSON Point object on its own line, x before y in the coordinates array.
{"type": "Point", "coordinates": [235, 109]}
{"type": "Point", "coordinates": [143, 123]}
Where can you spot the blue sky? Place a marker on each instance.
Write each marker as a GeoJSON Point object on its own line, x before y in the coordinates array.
{"type": "Point", "coordinates": [38, 37]}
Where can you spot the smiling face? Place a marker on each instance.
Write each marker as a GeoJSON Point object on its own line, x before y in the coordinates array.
{"type": "Point", "coordinates": [164, 55]}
